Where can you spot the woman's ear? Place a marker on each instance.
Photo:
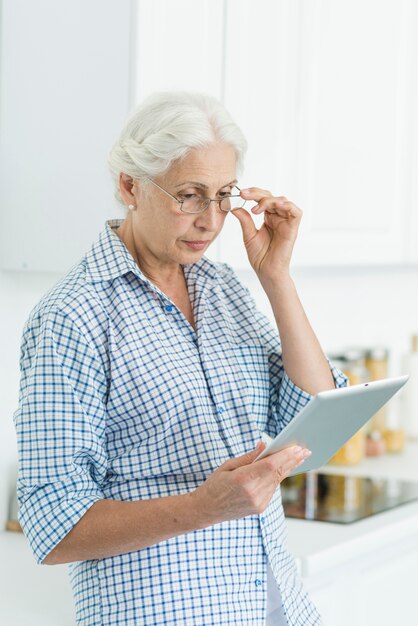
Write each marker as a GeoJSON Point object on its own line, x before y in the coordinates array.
{"type": "Point", "coordinates": [126, 188]}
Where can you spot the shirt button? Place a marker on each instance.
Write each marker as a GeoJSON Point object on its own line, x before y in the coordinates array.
{"type": "Point", "coordinates": [258, 582]}
{"type": "Point", "coordinates": [169, 307]}
{"type": "Point", "coordinates": [262, 519]}
{"type": "Point", "coordinates": [221, 409]}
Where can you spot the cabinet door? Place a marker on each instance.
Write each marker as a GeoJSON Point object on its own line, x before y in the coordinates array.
{"type": "Point", "coordinates": [375, 589]}
{"type": "Point", "coordinates": [321, 89]}
{"type": "Point", "coordinates": [179, 45]}
{"type": "Point", "coordinates": [411, 223]}
{"type": "Point", "coordinates": [389, 592]}
{"type": "Point", "coordinates": [64, 95]}
{"type": "Point", "coordinates": [337, 601]}
{"type": "Point", "coordinates": [256, 76]}
{"type": "Point", "coordinates": [353, 125]}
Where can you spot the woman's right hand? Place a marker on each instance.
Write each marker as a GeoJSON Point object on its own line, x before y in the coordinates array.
{"type": "Point", "coordinates": [239, 487]}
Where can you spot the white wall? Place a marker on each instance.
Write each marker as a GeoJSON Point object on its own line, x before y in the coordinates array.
{"type": "Point", "coordinates": [346, 306]}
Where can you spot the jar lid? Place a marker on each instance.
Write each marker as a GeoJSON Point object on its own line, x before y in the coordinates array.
{"type": "Point", "coordinates": [378, 353]}
{"type": "Point", "coordinates": [355, 354]}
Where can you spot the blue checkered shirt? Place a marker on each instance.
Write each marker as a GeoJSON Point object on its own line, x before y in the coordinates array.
{"type": "Point", "coordinates": [121, 398]}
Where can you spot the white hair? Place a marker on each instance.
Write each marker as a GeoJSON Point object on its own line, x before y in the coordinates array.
{"type": "Point", "coordinates": [166, 127]}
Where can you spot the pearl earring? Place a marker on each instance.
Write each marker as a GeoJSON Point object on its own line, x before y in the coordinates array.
{"type": "Point", "coordinates": [131, 207]}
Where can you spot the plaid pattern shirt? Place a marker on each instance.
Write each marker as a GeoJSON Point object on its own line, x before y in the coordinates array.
{"type": "Point", "coordinates": [121, 398]}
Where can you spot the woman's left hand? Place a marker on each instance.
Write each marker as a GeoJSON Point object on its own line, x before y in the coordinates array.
{"type": "Point", "coordinates": [270, 248]}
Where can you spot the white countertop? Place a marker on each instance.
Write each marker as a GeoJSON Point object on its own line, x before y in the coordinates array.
{"type": "Point", "coordinates": [318, 546]}
{"type": "Point", "coordinates": [403, 465]}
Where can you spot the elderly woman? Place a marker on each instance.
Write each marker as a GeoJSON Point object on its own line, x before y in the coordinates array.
{"type": "Point", "coordinates": [149, 377]}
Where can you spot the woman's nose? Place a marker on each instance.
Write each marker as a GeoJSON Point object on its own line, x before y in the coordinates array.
{"type": "Point", "coordinates": [211, 218]}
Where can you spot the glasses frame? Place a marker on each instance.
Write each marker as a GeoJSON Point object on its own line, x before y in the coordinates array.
{"type": "Point", "coordinates": [181, 202]}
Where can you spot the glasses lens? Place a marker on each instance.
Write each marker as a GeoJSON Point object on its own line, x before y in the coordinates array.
{"type": "Point", "coordinates": [198, 204]}
{"type": "Point", "coordinates": [195, 204]}
{"type": "Point", "coordinates": [234, 201]}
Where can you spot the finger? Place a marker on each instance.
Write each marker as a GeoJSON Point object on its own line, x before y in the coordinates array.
{"type": "Point", "coordinates": [283, 462]}
{"type": "Point", "coordinates": [249, 229]}
{"type": "Point", "coordinates": [266, 202]}
{"type": "Point", "coordinates": [244, 459]}
{"type": "Point", "coordinates": [274, 201]}
{"type": "Point", "coordinates": [281, 207]}
{"type": "Point", "coordinates": [255, 193]}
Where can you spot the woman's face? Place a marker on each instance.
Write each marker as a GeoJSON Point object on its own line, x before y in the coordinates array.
{"type": "Point", "coordinates": [158, 225]}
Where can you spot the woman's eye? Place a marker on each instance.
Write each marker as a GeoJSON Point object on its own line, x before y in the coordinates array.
{"type": "Point", "coordinates": [189, 196]}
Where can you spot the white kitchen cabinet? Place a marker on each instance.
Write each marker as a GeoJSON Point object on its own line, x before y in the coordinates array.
{"type": "Point", "coordinates": [373, 590]}
{"type": "Point", "coordinates": [337, 600]}
{"type": "Point", "coordinates": [388, 591]}
{"type": "Point", "coordinates": [179, 45]}
{"type": "Point", "coordinates": [323, 91]}
{"type": "Point", "coordinates": [411, 223]}
{"type": "Point", "coordinates": [65, 91]}
{"type": "Point", "coordinates": [353, 129]}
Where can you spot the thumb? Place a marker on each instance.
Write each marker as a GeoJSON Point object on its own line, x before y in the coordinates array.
{"type": "Point", "coordinates": [249, 229]}
{"type": "Point", "coordinates": [244, 459]}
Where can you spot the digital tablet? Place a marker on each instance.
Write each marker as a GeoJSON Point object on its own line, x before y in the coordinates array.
{"type": "Point", "coordinates": [331, 418]}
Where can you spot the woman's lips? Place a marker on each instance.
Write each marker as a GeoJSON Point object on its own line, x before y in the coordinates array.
{"type": "Point", "coordinates": [196, 245]}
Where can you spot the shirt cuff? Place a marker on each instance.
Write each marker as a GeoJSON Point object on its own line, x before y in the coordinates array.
{"type": "Point", "coordinates": [51, 511]}
{"type": "Point", "coordinates": [340, 379]}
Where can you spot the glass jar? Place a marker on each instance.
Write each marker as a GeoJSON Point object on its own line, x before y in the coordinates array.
{"type": "Point", "coordinates": [377, 364]}
{"type": "Point", "coordinates": [357, 372]}
{"type": "Point", "coordinates": [353, 366]}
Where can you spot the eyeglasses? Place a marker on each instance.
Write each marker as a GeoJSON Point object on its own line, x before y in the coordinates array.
{"type": "Point", "coordinates": [196, 203]}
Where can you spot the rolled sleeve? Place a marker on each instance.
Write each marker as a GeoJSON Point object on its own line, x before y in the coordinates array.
{"type": "Point", "coordinates": [51, 511]}
{"type": "Point", "coordinates": [340, 379]}
{"type": "Point", "coordinates": [60, 430]}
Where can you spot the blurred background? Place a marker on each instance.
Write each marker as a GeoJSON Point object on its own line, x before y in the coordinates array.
{"type": "Point", "coordinates": [326, 92]}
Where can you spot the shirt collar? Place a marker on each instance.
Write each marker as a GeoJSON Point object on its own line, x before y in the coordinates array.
{"type": "Point", "coordinates": [109, 258]}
